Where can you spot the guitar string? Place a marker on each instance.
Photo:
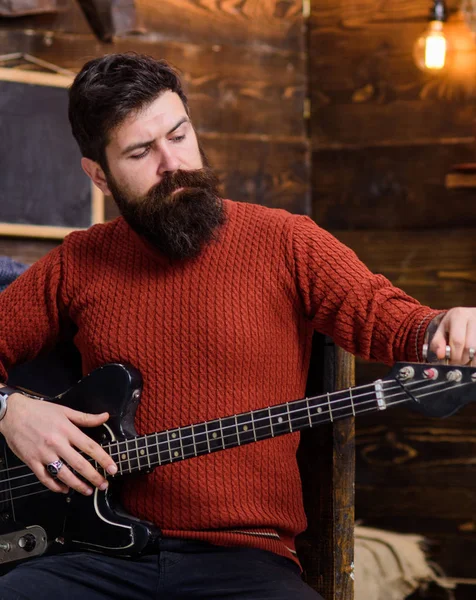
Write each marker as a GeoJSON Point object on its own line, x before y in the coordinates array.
{"type": "Point", "coordinates": [191, 456]}
{"type": "Point", "coordinates": [267, 418]}
{"type": "Point", "coordinates": [285, 412]}
{"type": "Point", "coordinates": [305, 416]}
{"type": "Point", "coordinates": [186, 438]}
{"type": "Point", "coordinates": [325, 403]}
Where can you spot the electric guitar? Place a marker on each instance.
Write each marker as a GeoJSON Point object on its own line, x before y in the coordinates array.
{"type": "Point", "coordinates": [34, 520]}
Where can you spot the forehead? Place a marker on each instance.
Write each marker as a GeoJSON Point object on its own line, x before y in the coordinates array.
{"type": "Point", "coordinates": [155, 120]}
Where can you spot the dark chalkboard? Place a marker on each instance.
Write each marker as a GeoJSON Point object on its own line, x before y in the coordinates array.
{"type": "Point", "coordinates": [43, 190]}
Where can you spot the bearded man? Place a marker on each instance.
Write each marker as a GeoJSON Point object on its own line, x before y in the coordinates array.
{"type": "Point", "coordinates": [215, 303]}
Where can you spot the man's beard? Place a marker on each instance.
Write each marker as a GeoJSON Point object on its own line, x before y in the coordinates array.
{"type": "Point", "coordinates": [178, 223]}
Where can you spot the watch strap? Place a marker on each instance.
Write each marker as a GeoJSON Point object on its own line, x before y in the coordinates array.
{"type": "Point", "coordinates": [5, 392]}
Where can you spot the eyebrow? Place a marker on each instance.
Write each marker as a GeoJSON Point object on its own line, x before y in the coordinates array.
{"type": "Point", "coordinates": [137, 145]}
{"type": "Point", "coordinates": [181, 122]}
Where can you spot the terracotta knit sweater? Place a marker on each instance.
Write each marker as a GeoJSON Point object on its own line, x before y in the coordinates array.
{"type": "Point", "coordinates": [225, 333]}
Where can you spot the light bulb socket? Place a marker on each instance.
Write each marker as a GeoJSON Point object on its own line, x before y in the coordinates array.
{"type": "Point", "coordinates": [439, 11]}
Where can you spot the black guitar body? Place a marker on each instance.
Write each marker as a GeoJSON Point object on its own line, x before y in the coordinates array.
{"type": "Point", "coordinates": [76, 522]}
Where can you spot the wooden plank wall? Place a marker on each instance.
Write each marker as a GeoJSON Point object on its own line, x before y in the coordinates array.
{"type": "Point", "coordinates": [383, 137]}
{"type": "Point", "coordinates": [243, 63]}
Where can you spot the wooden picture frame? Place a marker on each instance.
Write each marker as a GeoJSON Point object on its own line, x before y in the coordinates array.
{"type": "Point", "coordinates": [43, 190]}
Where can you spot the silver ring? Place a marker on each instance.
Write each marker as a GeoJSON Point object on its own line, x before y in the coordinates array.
{"type": "Point", "coordinates": [54, 468]}
{"type": "Point", "coordinates": [425, 352]}
{"type": "Point", "coordinates": [471, 354]}
{"type": "Point", "coordinates": [448, 352]}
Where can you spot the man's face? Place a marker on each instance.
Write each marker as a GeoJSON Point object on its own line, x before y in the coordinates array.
{"type": "Point", "coordinates": [150, 143]}
{"type": "Point", "coordinates": [156, 176]}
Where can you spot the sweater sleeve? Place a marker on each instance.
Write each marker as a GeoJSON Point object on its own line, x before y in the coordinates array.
{"type": "Point", "coordinates": [31, 312]}
{"type": "Point", "coordinates": [364, 313]}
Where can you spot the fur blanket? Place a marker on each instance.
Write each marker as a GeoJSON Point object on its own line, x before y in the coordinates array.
{"type": "Point", "coordinates": [391, 566]}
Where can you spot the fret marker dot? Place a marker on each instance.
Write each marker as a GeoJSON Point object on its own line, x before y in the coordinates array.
{"type": "Point", "coordinates": [280, 420]}
{"type": "Point", "coordinates": [142, 452]}
{"type": "Point", "coordinates": [176, 453]}
{"type": "Point", "coordinates": [123, 456]}
{"type": "Point", "coordinates": [245, 427]}
{"type": "Point", "coordinates": [174, 435]}
{"type": "Point", "coordinates": [319, 410]}
{"type": "Point", "coordinates": [214, 435]}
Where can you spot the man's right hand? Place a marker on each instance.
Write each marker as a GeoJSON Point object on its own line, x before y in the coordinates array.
{"type": "Point", "coordinates": [42, 432]}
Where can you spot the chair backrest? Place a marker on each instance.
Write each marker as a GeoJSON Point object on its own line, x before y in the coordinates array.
{"type": "Point", "coordinates": [326, 459]}
{"type": "Point", "coordinates": [51, 372]}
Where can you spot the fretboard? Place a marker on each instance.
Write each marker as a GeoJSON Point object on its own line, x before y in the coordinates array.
{"type": "Point", "coordinates": [142, 453]}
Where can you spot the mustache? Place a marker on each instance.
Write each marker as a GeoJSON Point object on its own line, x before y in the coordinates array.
{"type": "Point", "coordinates": [204, 178]}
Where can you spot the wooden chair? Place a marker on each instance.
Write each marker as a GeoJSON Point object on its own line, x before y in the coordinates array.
{"type": "Point", "coordinates": [326, 458]}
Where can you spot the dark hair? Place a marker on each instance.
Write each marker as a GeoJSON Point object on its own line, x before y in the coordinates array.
{"type": "Point", "coordinates": [108, 89]}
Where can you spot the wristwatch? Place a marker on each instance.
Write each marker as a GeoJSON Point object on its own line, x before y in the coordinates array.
{"type": "Point", "coordinates": [4, 393]}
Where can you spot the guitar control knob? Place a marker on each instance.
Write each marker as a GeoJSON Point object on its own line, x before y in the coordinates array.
{"type": "Point", "coordinates": [5, 546]}
{"type": "Point", "coordinates": [27, 542]}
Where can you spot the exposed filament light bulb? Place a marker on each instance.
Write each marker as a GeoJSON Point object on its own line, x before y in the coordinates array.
{"type": "Point", "coordinates": [435, 46]}
{"type": "Point", "coordinates": [431, 48]}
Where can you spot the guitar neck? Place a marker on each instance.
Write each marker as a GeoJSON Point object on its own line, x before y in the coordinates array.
{"type": "Point", "coordinates": [143, 453]}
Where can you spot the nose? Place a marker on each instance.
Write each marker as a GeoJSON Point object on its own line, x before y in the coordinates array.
{"type": "Point", "coordinates": [169, 161]}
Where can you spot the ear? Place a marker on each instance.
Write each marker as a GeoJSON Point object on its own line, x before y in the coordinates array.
{"type": "Point", "coordinates": [96, 174]}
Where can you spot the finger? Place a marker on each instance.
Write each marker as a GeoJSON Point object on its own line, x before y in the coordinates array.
{"type": "Point", "coordinates": [470, 341]}
{"type": "Point", "coordinates": [45, 478]}
{"type": "Point", "coordinates": [69, 479]}
{"type": "Point", "coordinates": [457, 341]}
{"type": "Point", "coordinates": [439, 342]}
{"type": "Point", "coordinates": [82, 419]}
{"type": "Point", "coordinates": [87, 445]}
{"type": "Point", "coordinates": [83, 467]}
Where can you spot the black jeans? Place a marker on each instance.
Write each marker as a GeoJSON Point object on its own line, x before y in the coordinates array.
{"type": "Point", "coordinates": [182, 570]}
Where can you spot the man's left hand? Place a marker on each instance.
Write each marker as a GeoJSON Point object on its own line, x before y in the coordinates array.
{"type": "Point", "coordinates": [457, 329]}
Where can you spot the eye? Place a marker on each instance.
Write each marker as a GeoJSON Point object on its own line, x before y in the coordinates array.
{"type": "Point", "coordinates": [141, 155]}
{"type": "Point", "coordinates": [177, 139]}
